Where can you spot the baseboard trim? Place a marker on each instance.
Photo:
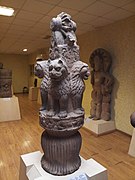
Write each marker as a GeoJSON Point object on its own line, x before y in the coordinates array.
{"type": "Point", "coordinates": [124, 133]}
{"type": "Point", "coordinates": [86, 129]}
{"type": "Point", "coordinates": [105, 133]}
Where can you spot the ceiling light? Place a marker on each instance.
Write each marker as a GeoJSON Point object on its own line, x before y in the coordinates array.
{"type": "Point", "coordinates": [5, 11]}
{"type": "Point", "coordinates": [25, 50]}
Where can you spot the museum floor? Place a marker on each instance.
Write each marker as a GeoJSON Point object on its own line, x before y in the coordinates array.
{"type": "Point", "coordinates": [23, 136]}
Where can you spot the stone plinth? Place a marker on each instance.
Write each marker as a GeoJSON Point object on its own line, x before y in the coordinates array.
{"type": "Point", "coordinates": [30, 169]}
{"type": "Point", "coordinates": [9, 109]}
{"type": "Point", "coordinates": [39, 98]}
{"type": "Point", "coordinates": [33, 93]}
{"type": "Point", "coordinates": [99, 127]}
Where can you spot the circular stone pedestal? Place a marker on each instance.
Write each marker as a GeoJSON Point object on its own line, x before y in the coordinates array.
{"type": "Point", "coordinates": [61, 154]}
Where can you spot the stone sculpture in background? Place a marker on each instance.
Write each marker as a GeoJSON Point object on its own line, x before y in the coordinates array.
{"type": "Point", "coordinates": [132, 119]}
{"type": "Point", "coordinates": [5, 82]}
{"type": "Point", "coordinates": [42, 71]}
{"type": "Point", "coordinates": [102, 84]}
{"type": "Point", "coordinates": [62, 90]}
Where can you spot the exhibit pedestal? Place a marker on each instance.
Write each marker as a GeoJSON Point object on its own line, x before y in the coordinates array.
{"type": "Point", "coordinates": [30, 169]}
{"type": "Point", "coordinates": [9, 109]}
{"type": "Point", "coordinates": [132, 145]}
{"type": "Point", "coordinates": [39, 98]}
{"type": "Point", "coordinates": [99, 127]}
{"type": "Point", "coordinates": [33, 93]}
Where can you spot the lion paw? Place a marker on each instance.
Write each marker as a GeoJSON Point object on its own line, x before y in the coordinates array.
{"type": "Point", "coordinates": [79, 111]}
{"type": "Point", "coordinates": [50, 113]}
{"type": "Point", "coordinates": [62, 114]}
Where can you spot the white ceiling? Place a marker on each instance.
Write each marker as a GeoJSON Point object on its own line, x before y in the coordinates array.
{"type": "Point", "coordinates": [30, 24]}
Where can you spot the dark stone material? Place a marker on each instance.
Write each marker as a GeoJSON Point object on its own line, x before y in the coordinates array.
{"type": "Point", "coordinates": [61, 155]}
{"type": "Point", "coordinates": [102, 82]}
{"type": "Point", "coordinates": [61, 126]}
{"type": "Point", "coordinates": [132, 119]}
{"type": "Point", "coordinates": [62, 87]}
{"type": "Point", "coordinates": [5, 82]}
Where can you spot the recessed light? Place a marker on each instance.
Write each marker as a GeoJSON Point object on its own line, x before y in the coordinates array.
{"type": "Point", "coordinates": [25, 50]}
{"type": "Point", "coordinates": [6, 11]}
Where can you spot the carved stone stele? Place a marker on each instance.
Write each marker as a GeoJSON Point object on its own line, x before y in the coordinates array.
{"type": "Point", "coordinates": [5, 82]}
{"type": "Point", "coordinates": [62, 87]}
{"type": "Point", "coordinates": [102, 84]}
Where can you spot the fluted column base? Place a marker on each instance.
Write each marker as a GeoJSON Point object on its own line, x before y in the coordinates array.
{"type": "Point", "coordinates": [61, 154]}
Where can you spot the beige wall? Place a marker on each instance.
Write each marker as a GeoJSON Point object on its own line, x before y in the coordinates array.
{"type": "Point", "coordinates": [119, 40]}
{"type": "Point", "coordinates": [19, 66]}
{"type": "Point", "coordinates": [32, 60]}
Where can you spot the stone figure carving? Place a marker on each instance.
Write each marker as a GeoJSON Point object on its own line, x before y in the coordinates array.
{"type": "Point", "coordinates": [102, 83]}
{"type": "Point", "coordinates": [62, 90]}
{"type": "Point", "coordinates": [5, 82]}
{"type": "Point", "coordinates": [42, 71]}
{"type": "Point", "coordinates": [59, 88]}
{"type": "Point", "coordinates": [79, 72]}
{"type": "Point", "coordinates": [63, 30]}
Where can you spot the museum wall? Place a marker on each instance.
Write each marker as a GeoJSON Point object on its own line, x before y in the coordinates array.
{"type": "Point", "coordinates": [20, 72]}
{"type": "Point", "coordinates": [119, 40]}
{"type": "Point", "coordinates": [31, 61]}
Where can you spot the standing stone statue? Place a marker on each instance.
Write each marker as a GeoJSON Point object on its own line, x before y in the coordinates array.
{"type": "Point", "coordinates": [62, 90]}
{"type": "Point", "coordinates": [5, 82]}
{"type": "Point", "coordinates": [102, 84]}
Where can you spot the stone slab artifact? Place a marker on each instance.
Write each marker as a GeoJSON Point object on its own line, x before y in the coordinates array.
{"type": "Point", "coordinates": [102, 83]}
{"type": "Point", "coordinates": [62, 87]}
{"type": "Point", "coordinates": [5, 82]}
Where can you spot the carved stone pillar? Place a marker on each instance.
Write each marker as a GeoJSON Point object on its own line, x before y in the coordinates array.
{"type": "Point", "coordinates": [61, 143]}
{"type": "Point", "coordinates": [62, 90]}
